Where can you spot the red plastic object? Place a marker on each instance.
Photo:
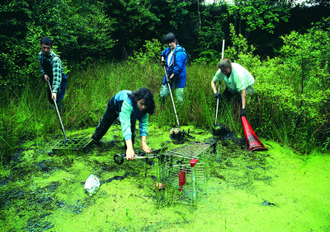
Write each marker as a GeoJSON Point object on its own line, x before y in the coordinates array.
{"type": "Point", "coordinates": [182, 179]}
{"type": "Point", "coordinates": [251, 138]}
{"type": "Point", "coordinates": [193, 162]}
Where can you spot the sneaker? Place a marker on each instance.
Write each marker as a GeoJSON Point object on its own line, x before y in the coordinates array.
{"type": "Point", "coordinates": [52, 107]}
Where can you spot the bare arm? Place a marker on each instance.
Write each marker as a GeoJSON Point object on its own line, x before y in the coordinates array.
{"type": "Point", "coordinates": [214, 88]}
{"type": "Point", "coordinates": [144, 145]}
{"type": "Point", "coordinates": [129, 152]}
{"type": "Point", "coordinates": [243, 95]}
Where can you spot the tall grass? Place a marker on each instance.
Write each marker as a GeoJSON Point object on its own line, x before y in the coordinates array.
{"type": "Point", "coordinates": [25, 114]}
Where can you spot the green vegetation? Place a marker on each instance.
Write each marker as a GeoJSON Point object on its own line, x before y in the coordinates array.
{"type": "Point", "coordinates": [254, 191]}
{"type": "Point", "coordinates": [91, 31]}
{"type": "Point", "coordinates": [108, 46]}
{"type": "Point", "coordinates": [291, 104]}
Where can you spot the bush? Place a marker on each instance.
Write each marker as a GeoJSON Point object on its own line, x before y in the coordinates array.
{"type": "Point", "coordinates": [80, 31]}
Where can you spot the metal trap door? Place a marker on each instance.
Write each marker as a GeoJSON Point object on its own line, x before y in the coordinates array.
{"type": "Point", "coordinates": [175, 175]}
{"type": "Point", "coordinates": [188, 179]}
{"type": "Point", "coordinates": [195, 181]}
{"type": "Point", "coordinates": [75, 145]}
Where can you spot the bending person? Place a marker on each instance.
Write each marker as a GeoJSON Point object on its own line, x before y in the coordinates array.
{"type": "Point", "coordinates": [129, 106]}
{"type": "Point", "coordinates": [237, 80]}
{"type": "Point", "coordinates": [174, 59]}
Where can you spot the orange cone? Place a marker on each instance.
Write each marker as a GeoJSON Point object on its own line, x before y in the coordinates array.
{"type": "Point", "coordinates": [251, 138]}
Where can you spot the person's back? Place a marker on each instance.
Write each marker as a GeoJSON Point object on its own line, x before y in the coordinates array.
{"type": "Point", "coordinates": [122, 102]}
{"type": "Point", "coordinates": [239, 79]}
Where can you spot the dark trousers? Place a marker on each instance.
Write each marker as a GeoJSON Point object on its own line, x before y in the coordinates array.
{"type": "Point", "coordinates": [60, 93]}
{"type": "Point", "coordinates": [108, 118]}
{"type": "Point", "coordinates": [230, 96]}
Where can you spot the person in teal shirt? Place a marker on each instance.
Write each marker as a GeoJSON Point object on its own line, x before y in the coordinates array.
{"type": "Point", "coordinates": [237, 79]}
{"type": "Point", "coordinates": [129, 106]}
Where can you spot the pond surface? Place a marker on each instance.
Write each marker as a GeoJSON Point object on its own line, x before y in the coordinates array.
{"type": "Point", "coordinates": [274, 190]}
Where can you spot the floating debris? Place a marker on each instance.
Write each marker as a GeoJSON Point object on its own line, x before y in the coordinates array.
{"type": "Point", "coordinates": [266, 203]}
{"type": "Point", "coordinates": [92, 184]}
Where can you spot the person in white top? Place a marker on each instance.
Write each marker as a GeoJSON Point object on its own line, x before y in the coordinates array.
{"type": "Point", "coordinates": [237, 80]}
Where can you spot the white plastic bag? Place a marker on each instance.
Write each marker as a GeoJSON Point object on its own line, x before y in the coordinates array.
{"type": "Point", "coordinates": [92, 184]}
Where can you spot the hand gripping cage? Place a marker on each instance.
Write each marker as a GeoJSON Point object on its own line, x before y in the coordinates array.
{"type": "Point", "coordinates": [181, 169]}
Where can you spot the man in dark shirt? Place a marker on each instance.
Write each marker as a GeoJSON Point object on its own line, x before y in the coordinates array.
{"type": "Point", "coordinates": [51, 69]}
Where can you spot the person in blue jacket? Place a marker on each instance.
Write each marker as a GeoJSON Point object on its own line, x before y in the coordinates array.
{"type": "Point", "coordinates": [129, 106]}
{"type": "Point", "coordinates": [174, 59]}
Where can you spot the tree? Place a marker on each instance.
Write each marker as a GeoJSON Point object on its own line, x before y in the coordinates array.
{"type": "Point", "coordinates": [259, 14]}
{"type": "Point", "coordinates": [133, 24]}
{"type": "Point", "coordinates": [80, 30]}
{"type": "Point", "coordinates": [211, 33]}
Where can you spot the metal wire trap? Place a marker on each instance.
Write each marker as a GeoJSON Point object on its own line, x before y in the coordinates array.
{"type": "Point", "coordinates": [84, 144]}
{"type": "Point", "coordinates": [189, 179]}
{"type": "Point", "coordinates": [181, 169]}
{"type": "Point", "coordinates": [189, 151]}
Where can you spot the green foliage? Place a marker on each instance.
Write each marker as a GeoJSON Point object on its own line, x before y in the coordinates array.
{"type": "Point", "coordinates": [308, 57]}
{"type": "Point", "coordinates": [85, 34]}
{"type": "Point", "coordinates": [210, 56]}
{"type": "Point", "coordinates": [240, 48]}
{"type": "Point", "coordinates": [149, 54]}
{"type": "Point", "coordinates": [291, 103]}
{"type": "Point", "coordinates": [80, 31]}
{"type": "Point", "coordinates": [133, 22]}
{"type": "Point", "coordinates": [260, 14]}
{"type": "Point", "coordinates": [294, 90]}
{"type": "Point", "coordinates": [210, 37]}
{"type": "Point", "coordinates": [178, 11]}
{"type": "Point", "coordinates": [13, 45]}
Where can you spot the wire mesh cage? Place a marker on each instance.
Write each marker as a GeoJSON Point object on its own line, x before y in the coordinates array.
{"type": "Point", "coordinates": [181, 169]}
{"type": "Point", "coordinates": [190, 151]}
{"type": "Point", "coordinates": [83, 144]}
{"type": "Point", "coordinates": [190, 179]}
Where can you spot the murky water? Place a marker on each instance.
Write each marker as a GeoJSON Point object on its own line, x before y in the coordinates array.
{"type": "Point", "coordinates": [275, 190]}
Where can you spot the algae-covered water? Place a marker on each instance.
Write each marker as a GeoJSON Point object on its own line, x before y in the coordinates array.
{"type": "Point", "coordinates": [274, 190]}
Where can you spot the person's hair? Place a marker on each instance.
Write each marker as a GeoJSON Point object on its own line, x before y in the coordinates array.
{"type": "Point", "coordinates": [224, 63]}
{"type": "Point", "coordinates": [170, 37]}
{"type": "Point", "coordinates": [46, 41]}
{"type": "Point", "coordinates": [146, 94]}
